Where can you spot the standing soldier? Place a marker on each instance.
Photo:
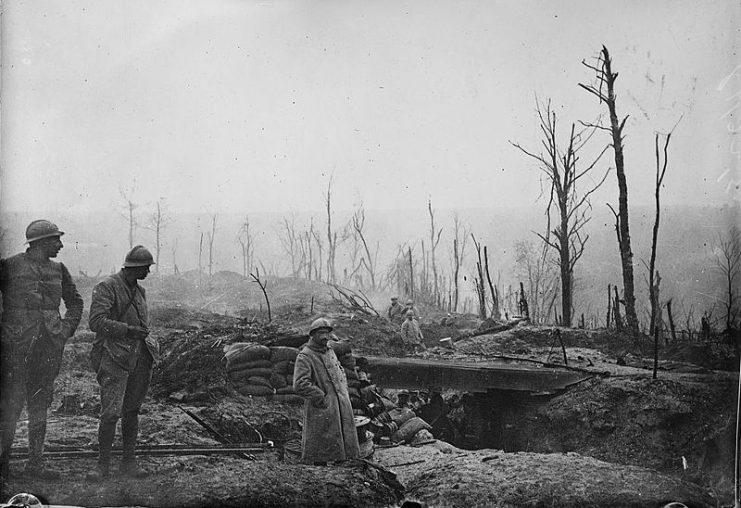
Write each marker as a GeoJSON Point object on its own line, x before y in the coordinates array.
{"type": "Point", "coordinates": [329, 424]}
{"type": "Point", "coordinates": [395, 310]}
{"type": "Point", "coordinates": [33, 338]}
{"type": "Point", "coordinates": [411, 333]}
{"type": "Point", "coordinates": [123, 355]}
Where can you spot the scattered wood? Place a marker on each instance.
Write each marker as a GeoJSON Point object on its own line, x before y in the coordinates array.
{"type": "Point", "coordinates": [352, 300]}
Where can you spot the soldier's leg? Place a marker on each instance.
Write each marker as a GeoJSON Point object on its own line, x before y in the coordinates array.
{"type": "Point", "coordinates": [42, 367]}
{"type": "Point", "coordinates": [12, 398]}
{"type": "Point", "coordinates": [112, 380]}
{"type": "Point", "coordinates": [136, 392]}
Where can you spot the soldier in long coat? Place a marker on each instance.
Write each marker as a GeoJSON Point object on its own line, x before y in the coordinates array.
{"type": "Point", "coordinates": [33, 337]}
{"type": "Point", "coordinates": [329, 426]}
{"type": "Point", "coordinates": [123, 355]}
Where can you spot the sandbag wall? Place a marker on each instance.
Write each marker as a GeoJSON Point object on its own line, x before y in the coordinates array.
{"type": "Point", "coordinates": [258, 370]}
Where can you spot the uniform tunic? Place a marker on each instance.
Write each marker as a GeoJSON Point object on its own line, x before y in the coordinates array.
{"type": "Point", "coordinates": [32, 335]}
{"type": "Point", "coordinates": [329, 425]}
{"type": "Point", "coordinates": [123, 365]}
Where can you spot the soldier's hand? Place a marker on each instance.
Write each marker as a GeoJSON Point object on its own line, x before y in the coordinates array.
{"type": "Point", "coordinates": [137, 333]}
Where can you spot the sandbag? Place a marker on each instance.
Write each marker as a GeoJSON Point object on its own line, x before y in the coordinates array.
{"type": "Point", "coordinates": [401, 415]}
{"type": "Point", "coordinates": [246, 389]}
{"type": "Point", "coordinates": [245, 373]}
{"type": "Point", "coordinates": [241, 352]}
{"type": "Point", "coordinates": [283, 353]}
{"type": "Point", "coordinates": [277, 380]}
{"type": "Point", "coordinates": [288, 398]}
{"type": "Point", "coordinates": [254, 364]}
{"type": "Point", "coordinates": [340, 348]}
{"type": "Point", "coordinates": [259, 381]}
{"type": "Point", "coordinates": [283, 367]}
{"type": "Point", "coordinates": [285, 390]}
{"type": "Point", "coordinates": [410, 428]}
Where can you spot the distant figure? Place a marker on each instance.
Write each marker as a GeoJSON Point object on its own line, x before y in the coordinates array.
{"type": "Point", "coordinates": [33, 337]}
{"type": "Point", "coordinates": [411, 333]}
{"type": "Point", "coordinates": [410, 306]}
{"type": "Point", "coordinates": [123, 355]}
{"type": "Point", "coordinates": [329, 424]}
{"type": "Point", "coordinates": [395, 311]}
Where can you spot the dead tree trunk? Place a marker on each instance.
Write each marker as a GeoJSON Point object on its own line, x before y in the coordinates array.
{"type": "Point", "coordinates": [479, 281]}
{"type": "Point", "coordinates": [609, 306]}
{"type": "Point", "coordinates": [616, 311]}
{"type": "Point", "coordinates": [560, 168]}
{"type": "Point", "coordinates": [606, 78]}
{"type": "Point", "coordinates": [495, 312]}
{"type": "Point", "coordinates": [660, 172]}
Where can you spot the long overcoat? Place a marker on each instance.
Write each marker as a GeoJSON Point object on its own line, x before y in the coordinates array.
{"type": "Point", "coordinates": [329, 426]}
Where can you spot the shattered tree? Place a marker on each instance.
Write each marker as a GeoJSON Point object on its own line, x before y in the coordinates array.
{"type": "Point", "coordinates": [605, 92]}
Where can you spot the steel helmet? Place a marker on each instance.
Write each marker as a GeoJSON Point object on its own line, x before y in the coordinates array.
{"type": "Point", "coordinates": [41, 228]}
{"type": "Point", "coordinates": [320, 324]}
{"type": "Point", "coordinates": [138, 256]}
{"type": "Point", "coordinates": [409, 302]}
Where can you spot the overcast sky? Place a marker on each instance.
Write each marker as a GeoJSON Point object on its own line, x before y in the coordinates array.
{"type": "Point", "coordinates": [242, 106]}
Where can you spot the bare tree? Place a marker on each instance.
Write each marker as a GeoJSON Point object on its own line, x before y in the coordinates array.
{"type": "Point", "coordinates": [532, 264]}
{"type": "Point", "coordinates": [653, 287]}
{"type": "Point", "coordinates": [460, 238]}
{"type": "Point", "coordinates": [434, 241]}
{"type": "Point", "coordinates": [157, 223]}
{"type": "Point", "coordinates": [560, 169]}
{"type": "Point", "coordinates": [211, 236]}
{"type": "Point", "coordinates": [320, 248]}
{"type": "Point", "coordinates": [479, 280]}
{"type": "Point", "coordinates": [246, 241]}
{"type": "Point", "coordinates": [263, 285]}
{"type": "Point", "coordinates": [130, 206]}
{"type": "Point", "coordinates": [368, 260]}
{"type": "Point", "coordinates": [289, 239]}
{"type": "Point", "coordinates": [332, 241]}
{"type": "Point", "coordinates": [727, 257]}
{"type": "Point", "coordinates": [604, 90]}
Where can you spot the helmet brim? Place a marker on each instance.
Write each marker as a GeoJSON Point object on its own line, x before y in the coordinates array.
{"type": "Point", "coordinates": [134, 264]}
{"type": "Point", "coordinates": [47, 235]}
{"type": "Point", "coordinates": [327, 329]}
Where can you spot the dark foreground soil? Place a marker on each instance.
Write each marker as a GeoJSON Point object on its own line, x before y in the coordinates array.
{"type": "Point", "coordinates": [621, 439]}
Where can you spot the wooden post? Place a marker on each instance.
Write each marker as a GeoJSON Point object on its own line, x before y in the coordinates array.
{"type": "Point", "coordinates": [616, 311]}
{"type": "Point", "coordinates": [671, 321]}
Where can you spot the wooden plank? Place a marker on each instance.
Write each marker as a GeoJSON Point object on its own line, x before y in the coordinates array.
{"type": "Point", "coordinates": [417, 373]}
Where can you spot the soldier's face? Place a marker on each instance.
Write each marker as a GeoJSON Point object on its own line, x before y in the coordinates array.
{"type": "Point", "coordinates": [141, 272]}
{"type": "Point", "coordinates": [321, 337]}
{"type": "Point", "coordinates": [51, 246]}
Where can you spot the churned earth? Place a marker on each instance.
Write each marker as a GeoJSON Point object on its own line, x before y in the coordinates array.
{"type": "Point", "coordinates": [619, 438]}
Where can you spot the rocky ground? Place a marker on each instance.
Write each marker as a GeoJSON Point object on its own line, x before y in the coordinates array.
{"type": "Point", "coordinates": [620, 438]}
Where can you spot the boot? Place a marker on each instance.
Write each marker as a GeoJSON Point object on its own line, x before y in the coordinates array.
{"type": "Point", "coordinates": [106, 433]}
{"type": "Point", "coordinates": [35, 465]}
{"type": "Point", "coordinates": [129, 433]}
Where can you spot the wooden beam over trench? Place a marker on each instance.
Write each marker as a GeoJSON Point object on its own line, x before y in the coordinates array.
{"type": "Point", "coordinates": [418, 374]}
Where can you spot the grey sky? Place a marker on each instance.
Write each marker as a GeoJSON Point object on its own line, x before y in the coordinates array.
{"type": "Point", "coordinates": [240, 106]}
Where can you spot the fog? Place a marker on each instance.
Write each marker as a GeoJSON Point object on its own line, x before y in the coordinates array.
{"type": "Point", "coordinates": [244, 107]}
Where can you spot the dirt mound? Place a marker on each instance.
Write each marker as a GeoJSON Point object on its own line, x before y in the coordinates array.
{"type": "Point", "coordinates": [446, 476]}
{"type": "Point", "coordinates": [663, 424]}
{"type": "Point", "coordinates": [223, 481]}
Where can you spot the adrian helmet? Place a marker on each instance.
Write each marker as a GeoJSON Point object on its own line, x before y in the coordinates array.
{"type": "Point", "coordinates": [320, 324]}
{"type": "Point", "coordinates": [138, 256]}
{"type": "Point", "coordinates": [41, 228]}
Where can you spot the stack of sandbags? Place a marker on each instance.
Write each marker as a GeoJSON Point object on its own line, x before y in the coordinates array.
{"type": "Point", "coordinates": [259, 370]}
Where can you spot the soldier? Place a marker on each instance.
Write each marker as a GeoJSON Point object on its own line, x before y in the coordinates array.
{"type": "Point", "coordinates": [409, 307]}
{"type": "Point", "coordinates": [33, 338]}
{"type": "Point", "coordinates": [395, 310]}
{"type": "Point", "coordinates": [329, 426]}
{"type": "Point", "coordinates": [411, 333]}
{"type": "Point", "coordinates": [123, 355]}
